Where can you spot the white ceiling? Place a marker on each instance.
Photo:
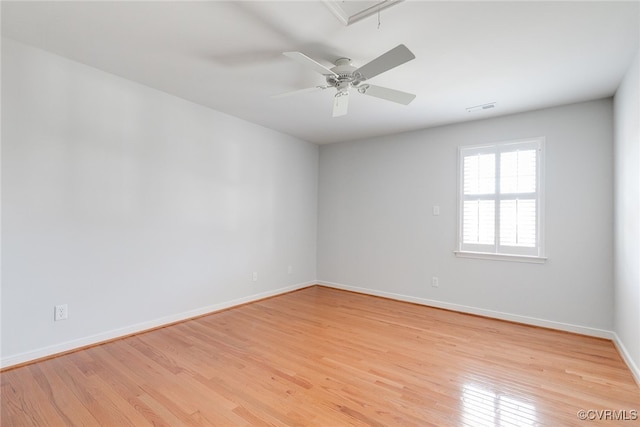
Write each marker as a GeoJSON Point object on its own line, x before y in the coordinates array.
{"type": "Point", "coordinates": [227, 55]}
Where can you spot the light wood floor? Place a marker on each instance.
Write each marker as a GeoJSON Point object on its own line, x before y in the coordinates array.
{"type": "Point", "coordinates": [323, 357]}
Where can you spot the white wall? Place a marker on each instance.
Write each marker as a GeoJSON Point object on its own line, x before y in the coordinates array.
{"type": "Point", "coordinates": [627, 216]}
{"type": "Point", "coordinates": [376, 231]}
{"type": "Point", "coordinates": [135, 207]}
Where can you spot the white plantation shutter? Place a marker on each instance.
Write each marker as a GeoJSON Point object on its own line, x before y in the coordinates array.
{"type": "Point", "coordinates": [479, 219]}
{"type": "Point", "coordinates": [518, 171]}
{"type": "Point", "coordinates": [518, 223]}
{"type": "Point", "coordinates": [500, 200]}
{"type": "Point", "coordinates": [480, 174]}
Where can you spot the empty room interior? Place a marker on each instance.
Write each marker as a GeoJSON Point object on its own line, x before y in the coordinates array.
{"type": "Point", "coordinates": [322, 213]}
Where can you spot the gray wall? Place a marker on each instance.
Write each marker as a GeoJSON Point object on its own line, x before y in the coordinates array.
{"type": "Point", "coordinates": [137, 208]}
{"type": "Point", "coordinates": [376, 231]}
{"type": "Point", "coordinates": [627, 215]}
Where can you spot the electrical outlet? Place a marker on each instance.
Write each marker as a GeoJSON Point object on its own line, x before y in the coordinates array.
{"type": "Point", "coordinates": [435, 282]}
{"type": "Point", "coordinates": [61, 312]}
{"type": "Point", "coordinates": [255, 276]}
{"type": "Point", "coordinates": [290, 270]}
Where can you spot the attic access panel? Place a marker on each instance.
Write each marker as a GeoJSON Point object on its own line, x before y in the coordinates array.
{"type": "Point", "coordinates": [350, 11]}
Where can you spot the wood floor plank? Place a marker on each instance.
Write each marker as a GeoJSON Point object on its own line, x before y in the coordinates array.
{"type": "Point", "coordinates": [324, 357]}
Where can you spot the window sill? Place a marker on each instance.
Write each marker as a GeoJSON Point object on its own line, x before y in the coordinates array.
{"type": "Point", "coordinates": [501, 257]}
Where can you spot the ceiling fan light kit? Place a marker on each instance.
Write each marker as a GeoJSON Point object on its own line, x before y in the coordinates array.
{"type": "Point", "coordinates": [340, 103]}
{"type": "Point", "coordinates": [344, 76]}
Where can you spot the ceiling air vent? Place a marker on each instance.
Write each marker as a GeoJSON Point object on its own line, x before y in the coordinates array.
{"type": "Point", "coordinates": [481, 107]}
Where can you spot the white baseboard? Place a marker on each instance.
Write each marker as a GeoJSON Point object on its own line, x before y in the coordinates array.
{"type": "Point", "coordinates": [627, 358]}
{"type": "Point", "coordinates": [568, 327]}
{"type": "Point", "coordinates": [140, 327]}
{"type": "Point", "coordinates": [144, 326]}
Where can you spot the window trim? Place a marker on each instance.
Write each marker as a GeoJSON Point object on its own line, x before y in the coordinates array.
{"type": "Point", "coordinates": [463, 251]}
{"type": "Point", "coordinates": [501, 257]}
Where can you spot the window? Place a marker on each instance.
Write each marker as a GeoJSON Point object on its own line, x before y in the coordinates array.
{"type": "Point", "coordinates": [500, 197]}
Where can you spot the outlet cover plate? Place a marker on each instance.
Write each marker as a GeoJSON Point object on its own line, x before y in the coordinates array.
{"type": "Point", "coordinates": [61, 312]}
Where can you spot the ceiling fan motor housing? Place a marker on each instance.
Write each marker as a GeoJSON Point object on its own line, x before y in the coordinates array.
{"type": "Point", "coordinates": [346, 77]}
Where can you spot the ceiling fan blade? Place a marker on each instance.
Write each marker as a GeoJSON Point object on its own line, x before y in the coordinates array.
{"type": "Point", "coordinates": [299, 91]}
{"type": "Point", "coordinates": [396, 56]}
{"type": "Point", "coordinates": [309, 63]}
{"type": "Point", "coordinates": [340, 103]}
{"type": "Point", "coordinates": [388, 94]}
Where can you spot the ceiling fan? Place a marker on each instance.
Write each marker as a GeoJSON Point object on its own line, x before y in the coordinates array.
{"type": "Point", "coordinates": [344, 76]}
